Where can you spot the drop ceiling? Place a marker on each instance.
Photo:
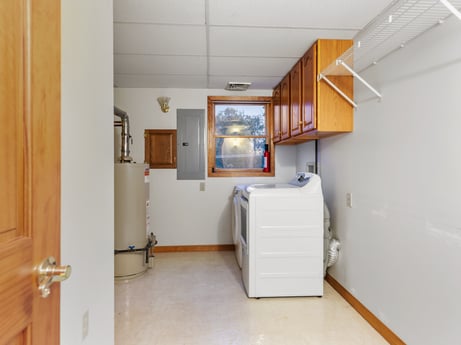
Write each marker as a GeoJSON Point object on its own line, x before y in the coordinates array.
{"type": "Point", "coordinates": [207, 43]}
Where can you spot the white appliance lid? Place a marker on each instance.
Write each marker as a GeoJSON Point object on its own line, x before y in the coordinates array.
{"type": "Point", "coordinates": [300, 183]}
{"type": "Point", "coordinates": [252, 187]}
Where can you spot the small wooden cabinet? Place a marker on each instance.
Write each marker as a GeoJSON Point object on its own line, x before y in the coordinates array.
{"type": "Point", "coordinates": [160, 148]}
{"type": "Point", "coordinates": [314, 109]}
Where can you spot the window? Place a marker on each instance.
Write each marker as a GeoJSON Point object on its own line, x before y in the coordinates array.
{"type": "Point", "coordinates": [238, 130]}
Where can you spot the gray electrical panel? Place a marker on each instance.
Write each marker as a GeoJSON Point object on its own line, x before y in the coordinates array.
{"type": "Point", "coordinates": [190, 144]}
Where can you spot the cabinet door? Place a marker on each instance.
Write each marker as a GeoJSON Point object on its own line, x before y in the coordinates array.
{"type": "Point", "coordinates": [276, 132]}
{"type": "Point", "coordinates": [295, 99]}
{"type": "Point", "coordinates": [160, 148]}
{"type": "Point", "coordinates": [285, 107]}
{"type": "Point", "coordinates": [309, 88]}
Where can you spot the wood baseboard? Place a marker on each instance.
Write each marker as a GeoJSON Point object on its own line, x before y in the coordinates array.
{"type": "Point", "coordinates": [380, 327]}
{"type": "Point", "coordinates": [195, 248]}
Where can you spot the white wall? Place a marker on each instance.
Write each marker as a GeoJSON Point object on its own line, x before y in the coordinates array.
{"type": "Point", "coordinates": [305, 154]}
{"type": "Point", "coordinates": [401, 240]}
{"type": "Point", "coordinates": [180, 213]}
{"type": "Point", "coordinates": [87, 171]}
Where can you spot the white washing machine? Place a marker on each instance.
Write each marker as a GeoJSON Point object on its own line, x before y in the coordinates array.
{"type": "Point", "coordinates": [236, 222]}
{"type": "Point", "coordinates": [282, 238]}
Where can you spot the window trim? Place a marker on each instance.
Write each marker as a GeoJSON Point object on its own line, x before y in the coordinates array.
{"type": "Point", "coordinates": [211, 154]}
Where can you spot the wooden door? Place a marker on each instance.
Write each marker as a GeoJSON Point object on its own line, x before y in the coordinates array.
{"type": "Point", "coordinates": [276, 131]}
{"type": "Point", "coordinates": [285, 107]}
{"type": "Point", "coordinates": [30, 167]}
{"type": "Point", "coordinates": [309, 87]}
{"type": "Point", "coordinates": [295, 99]}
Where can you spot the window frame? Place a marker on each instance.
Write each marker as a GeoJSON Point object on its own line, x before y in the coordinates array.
{"type": "Point", "coordinates": [211, 154]}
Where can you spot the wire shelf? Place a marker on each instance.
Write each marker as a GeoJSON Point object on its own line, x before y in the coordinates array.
{"type": "Point", "coordinates": [401, 22]}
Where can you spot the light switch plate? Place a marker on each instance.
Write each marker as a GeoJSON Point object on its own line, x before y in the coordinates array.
{"type": "Point", "coordinates": [85, 324]}
{"type": "Point", "coordinates": [349, 200]}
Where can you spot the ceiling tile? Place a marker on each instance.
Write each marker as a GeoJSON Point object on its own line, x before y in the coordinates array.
{"type": "Point", "coordinates": [160, 64]}
{"type": "Point", "coordinates": [261, 83]}
{"type": "Point", "coordinates": [267, 42]}
{"type": "Point", "coordinates": [161, 81]}
{"type": "Point", "coordinates": [250, 66]}
{"type": "Point", "coordinates": [338, 14]}
{"type": "Point", "coordinates": [166, 12]}
{"type": "Point", "coordinates": [159, 39]}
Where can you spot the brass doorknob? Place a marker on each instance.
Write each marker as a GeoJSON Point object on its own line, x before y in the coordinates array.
{"type": "Point", "coordinates": [48, 273]}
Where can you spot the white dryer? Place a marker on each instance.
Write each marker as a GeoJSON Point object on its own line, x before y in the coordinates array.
{"type": "Point", "coordinates": [282, 238]}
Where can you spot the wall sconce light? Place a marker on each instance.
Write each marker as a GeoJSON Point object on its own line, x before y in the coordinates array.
{"type": "Point", "coordinates": [163, 101]}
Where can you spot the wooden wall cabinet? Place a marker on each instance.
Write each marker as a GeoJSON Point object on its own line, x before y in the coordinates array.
{"type": "Point", "coordinates": [315, 109]}
{"type": "Point", "coordinates": [160, 148]}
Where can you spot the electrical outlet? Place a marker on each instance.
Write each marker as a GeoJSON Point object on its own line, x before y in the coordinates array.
{"type": "Point", "coordinates": [310, 167]}
{"type": "Point", "coordinates": [349, 200]}
{"type": "Point", "coordinates": [85, 324]}
{"type": "Point", "coordinates": [202, 186]}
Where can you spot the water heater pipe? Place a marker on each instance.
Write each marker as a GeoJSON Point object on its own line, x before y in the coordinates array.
{"type": "Point", "coordinates": [126, 136]}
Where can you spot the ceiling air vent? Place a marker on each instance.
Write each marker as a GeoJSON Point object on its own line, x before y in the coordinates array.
{"type": "Point", "coordinates": [237, 86]}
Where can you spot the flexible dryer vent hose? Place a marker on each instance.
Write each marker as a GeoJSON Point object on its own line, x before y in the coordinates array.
{"type": "Point", "coordinates": [333, 252]}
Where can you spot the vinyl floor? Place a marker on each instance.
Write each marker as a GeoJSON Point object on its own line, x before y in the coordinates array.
{"type": "Point", "coordinates": [199, 299]}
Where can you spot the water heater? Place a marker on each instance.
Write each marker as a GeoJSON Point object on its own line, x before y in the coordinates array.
{"type": "Point", "coordinates": [131, 219]}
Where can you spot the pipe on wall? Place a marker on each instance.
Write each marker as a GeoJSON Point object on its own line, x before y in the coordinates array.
{"type": "Point", "coordinates": [126, 136]}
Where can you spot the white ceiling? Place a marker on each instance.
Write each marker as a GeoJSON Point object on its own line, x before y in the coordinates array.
{"type": "Point", "coordinates": [206, 43]}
